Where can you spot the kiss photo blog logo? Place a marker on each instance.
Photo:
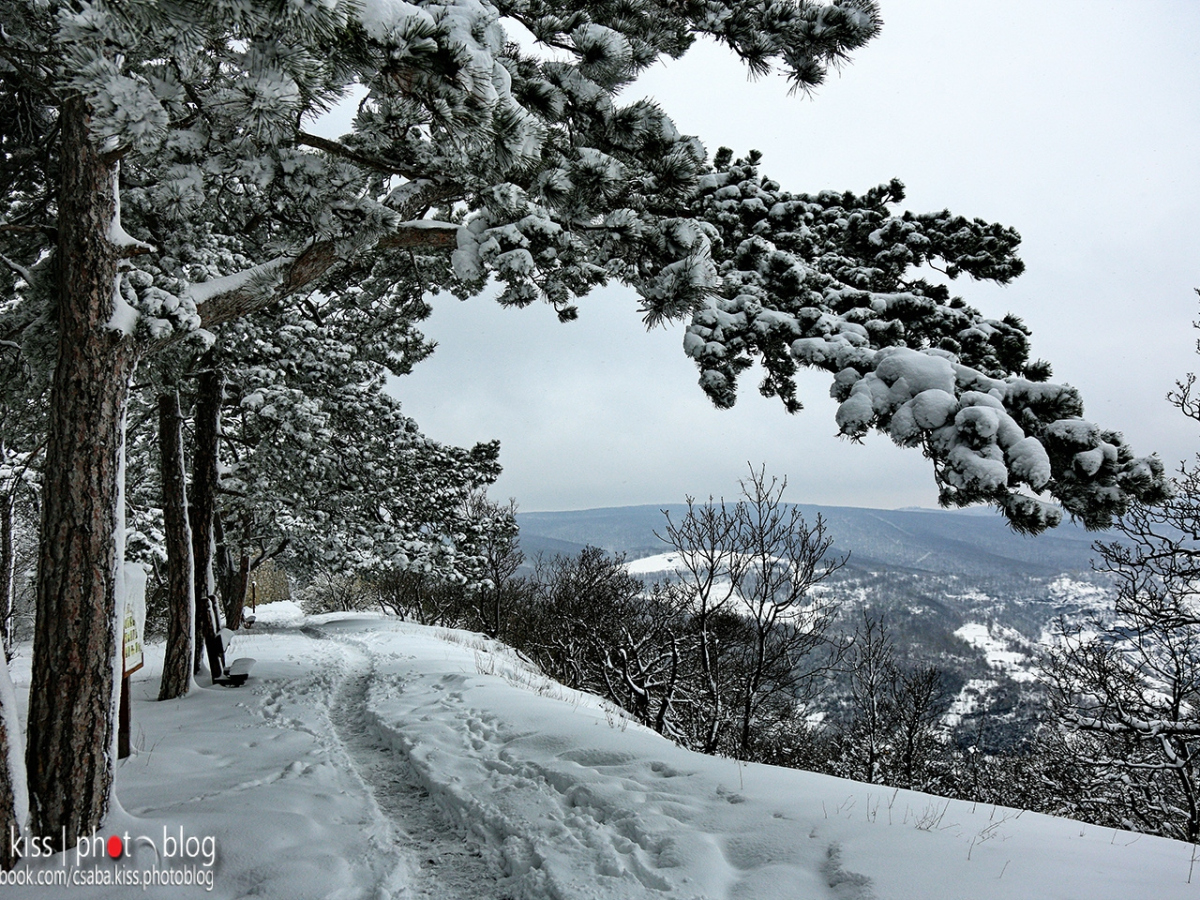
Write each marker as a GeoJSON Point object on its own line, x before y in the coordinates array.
{"type": "Point", "coordinates": [171, 849]}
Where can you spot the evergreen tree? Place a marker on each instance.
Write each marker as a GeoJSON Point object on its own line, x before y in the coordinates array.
{"type": "Point", "coordinates": [160, 182]}
{"type": "Point", "coordinates": [829, 282]}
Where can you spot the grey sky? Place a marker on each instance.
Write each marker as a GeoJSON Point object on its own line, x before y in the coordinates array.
{"type": "Point", "coordinates": [1078, 123]}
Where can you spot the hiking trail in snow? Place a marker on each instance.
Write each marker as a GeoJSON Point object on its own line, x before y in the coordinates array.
{"type": "Point", "coordinates": [428, 859]}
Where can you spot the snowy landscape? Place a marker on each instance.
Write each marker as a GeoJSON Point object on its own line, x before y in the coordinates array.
{"type": "Point", "coordinates": [371, 758]}
{"type": "Point", "coordinates": [387, 509]}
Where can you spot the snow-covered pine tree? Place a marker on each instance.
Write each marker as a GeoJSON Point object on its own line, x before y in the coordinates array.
{"type": "Point", "coordinates": [23, 385]}
{"type": "Point", "coordinates": [831, 282]}
{"type": "Point", "coordinates": [313, 459]}
{"type": "Point", "coordinates": [319, 458]}
{"type": "Point", "coordinates": [495, 583]}
{"type": "Point", "coordinates": [189, 119]}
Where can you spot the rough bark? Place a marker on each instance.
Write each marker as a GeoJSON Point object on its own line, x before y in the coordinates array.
{"type": "Point", "coordinates": [181, 597]}
{"type": "Point", "coordinates": [71, 714]}
{"type": "Point", "coordinates": [203, 495]}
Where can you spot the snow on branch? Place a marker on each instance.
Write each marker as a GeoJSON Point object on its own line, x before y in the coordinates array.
{"type": "Point", "coordinates": [559, 189]}
{"type": "Point", "coordinates": [222, 300]}
{"type": "Point", "coordinates": [827, 282]}
{"type": "Point", "coordinates": [336, 148]}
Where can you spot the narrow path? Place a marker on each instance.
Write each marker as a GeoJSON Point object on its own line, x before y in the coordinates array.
{"type": "Point", "coordinates": [442, 864]}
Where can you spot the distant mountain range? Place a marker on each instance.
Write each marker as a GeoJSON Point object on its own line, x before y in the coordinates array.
{"type": "Point", "coordinates": [962, 542]}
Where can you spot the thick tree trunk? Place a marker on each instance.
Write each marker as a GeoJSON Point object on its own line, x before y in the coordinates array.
{"type": "Point", "coordinates": [71, 710]}
{"type": "Point", "coordinates": [203, 495]}
{"type": "Point", "coordinates": [181, 596]}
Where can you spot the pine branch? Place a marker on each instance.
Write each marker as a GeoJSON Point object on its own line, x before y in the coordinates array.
{"type": "Point", "coordinates": [18, 268]}
{"type": "Point", "coordinates": [336, 148]}
{"type": "Point", "coordinates": [48, 230]}
{"type": "Point", "coordinates": [285, 276]}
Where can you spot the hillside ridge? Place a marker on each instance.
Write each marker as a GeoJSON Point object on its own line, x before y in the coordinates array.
{"type": "Point", "coordinates": [960, 542]}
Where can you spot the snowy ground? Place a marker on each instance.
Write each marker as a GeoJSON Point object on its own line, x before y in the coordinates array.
{"type": "Point", "coordinates": [368, 758]}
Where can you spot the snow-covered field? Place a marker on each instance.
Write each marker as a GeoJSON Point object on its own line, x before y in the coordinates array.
{"type": "Point", "coordinates": [658, 564]}
{"type": "Point", "coordinates": [368, 758]}
{"type": "Point", "coordinates": [996, 643]}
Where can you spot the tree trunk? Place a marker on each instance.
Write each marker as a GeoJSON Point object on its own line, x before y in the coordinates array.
{"type": "Point", "coordinates": [203, 496]}
{"type": "Point", "coordinates": [709, 670]}
{"type": "Point", "coordinates": [8, 568]}
{"type": "Point", "coordinates": [71, 710]}
{"type": "Point", "coordinates": [181, 596]}
{"type": "Point", "coordinates": [235, 597]}
{"type": "Point", "coordinates": [233, 580]}
{"type": "Point", "coordinates": [754, 681]}
{"type": "Point", "coordinates": [14, 796]}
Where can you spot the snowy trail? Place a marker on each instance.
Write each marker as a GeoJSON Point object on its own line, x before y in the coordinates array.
{"type": "Point", "coordinates": [576, 814]}
{"type": "Point", "coordinates": [579, 803]}
{"type": "Point", "coordinates": [370, 759]}
{"type": "Point", "coordinates": [435, 862]}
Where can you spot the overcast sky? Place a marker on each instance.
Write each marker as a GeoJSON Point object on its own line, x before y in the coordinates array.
{"type": "Point", "coordinates": [1078, 123]}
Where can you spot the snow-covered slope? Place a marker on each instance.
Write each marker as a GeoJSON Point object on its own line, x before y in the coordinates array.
{"type": "Point", "coordinates": [368, 758]}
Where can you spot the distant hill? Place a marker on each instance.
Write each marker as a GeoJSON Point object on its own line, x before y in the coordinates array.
{"type": "Point", "coordinates": [937, 541]}
{"type": "Point", "coordinates": [959, 590]}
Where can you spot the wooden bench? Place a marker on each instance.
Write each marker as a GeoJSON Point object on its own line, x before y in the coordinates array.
{"type": "Point", "coordinates": [217, 640]}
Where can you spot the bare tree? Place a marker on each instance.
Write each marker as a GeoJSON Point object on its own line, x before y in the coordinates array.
{"type": "Point", "coordinates": [890, 731]}
{"type": "Point", "coordinates": [645, 669]}
{"type": "Point", "coordinates": [710, 565]}
{"type": "Point", "coordinates": [789, 620]}
{"type": "Point", "coordinates": [749, 573]}
{"type": "Point", "coordinates": [922, 700]}
{"type": "Point", "coordinates": [1132, 679]}
{"type": "Point", "coordinates": [873, 678]}
{"type": "Point", "coordinates": [423, 597]}
{"type": "Point", "coordinates": [582, 605]}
